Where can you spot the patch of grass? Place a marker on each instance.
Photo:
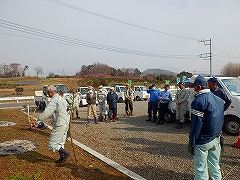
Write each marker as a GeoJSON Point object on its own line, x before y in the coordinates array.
{"type": "Point", "coordinates": [26, 176]}
{"type": "Point", "coordinates": [97, 168]}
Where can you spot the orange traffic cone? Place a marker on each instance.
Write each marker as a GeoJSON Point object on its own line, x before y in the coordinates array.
{"type": "Point", "coordinates": [237, 145]}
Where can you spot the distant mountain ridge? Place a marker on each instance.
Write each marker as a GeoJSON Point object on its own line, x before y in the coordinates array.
{"type": "Point", "coordinates": [159, 71]}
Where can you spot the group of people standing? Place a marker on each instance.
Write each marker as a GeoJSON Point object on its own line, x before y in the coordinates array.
{"type": "Point", "coordinates": [59, 108]}
{"type": "Point", "coordinates": [158, 102]}
{"type": "Point", "coordinates": [207, 116]}
{"type": "Point", "coordinates": [105, 98]}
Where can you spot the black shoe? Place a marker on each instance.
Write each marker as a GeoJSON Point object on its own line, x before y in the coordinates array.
{"type": "Point", "coordinates": [63, 155]}
{"type": "Point", "coordinates": [148, 120]}
{"type": "Point", "coordinates": [153, 121]}
{"type": "Point", "coordinates": [62, 159]}
{"type": "Point", "coordinates": [178, 122]}
{"type": "Point", "coordinates": [161, 122]}
{"type": "Point", "coordinates": [179, 126]}
{"type": "Point", "coordinates": [221, 144]}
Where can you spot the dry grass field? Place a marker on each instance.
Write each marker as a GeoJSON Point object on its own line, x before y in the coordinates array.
{"type": "Point", "coordinates": [8, 85]}
{"type": "Point", "coordinates": [39, 163]}
{"type": "Point", "coordinates": [8, 89]}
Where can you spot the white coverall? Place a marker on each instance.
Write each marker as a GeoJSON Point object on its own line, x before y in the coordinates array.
{"type": "Point", "coordinates": [182, 96]}
{"type": "Point", "coordinates": [102, 101]}
{"type": "Point", "coordinates": [57, 108]}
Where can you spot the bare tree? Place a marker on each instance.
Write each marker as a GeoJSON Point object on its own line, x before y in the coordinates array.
{"type": "Point", "coordinates": [231, 69]}
{"type": "Point", "coordinates": [5, 70]}
{"type": "Point", "coordinates": [51, 74]}
{"type": "Point", "coordinates": [38, 70]}
{"type": "Point", "coordinates": [15, 69]}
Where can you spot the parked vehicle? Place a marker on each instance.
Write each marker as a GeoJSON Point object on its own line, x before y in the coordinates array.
{"type": "Point", "coordinates": [140, 93]}
{"type": "Point", "coordinates": [83, 91]}
{"type": "Point", "coordinates": [107, 88]}
{"type": "Point", "coordinates": [231, 86]}
{"type": "Point", "coordinates": [120, 92]}
{"type": "Point", "coordinates": [41, 98]}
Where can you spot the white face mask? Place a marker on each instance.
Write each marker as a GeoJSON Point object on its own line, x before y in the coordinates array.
{"type": "Point", "coordinates": [90, 91]}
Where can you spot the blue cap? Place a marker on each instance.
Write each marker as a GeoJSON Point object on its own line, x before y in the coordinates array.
{"type": "Point", "coordinates": [213, 79]}
{"type": "Point", "coordinates": [153, 85]}
{"type": "Point", "coordinates": [199, 80]}
{"type": "Point", "coordinates": [180, 83]}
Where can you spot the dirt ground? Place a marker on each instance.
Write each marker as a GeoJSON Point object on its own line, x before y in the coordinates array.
{"type": "Point", "coordinates": [40, 163]}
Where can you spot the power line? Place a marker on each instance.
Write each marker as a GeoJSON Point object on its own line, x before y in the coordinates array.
{"type": "Point", "coordinates": [232, 57]}
{"type": "Point", "coordinates": [116, 20]}
{"type": "Point", "coordinates": [78, 42]}
{"type": "Point", "coordinates": [227, 56]}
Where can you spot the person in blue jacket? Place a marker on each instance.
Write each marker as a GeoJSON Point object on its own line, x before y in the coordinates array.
{"type": "Point", "coordinates": [213, 86]}
{"type": "Point", "coordinates": [164, 98]}
{"type": "Point", "coordinates": [153, 102]}
{"type": "Point", "coordinates": [206, 127]}
{"type": "Point", "coordinates": [112, 99]}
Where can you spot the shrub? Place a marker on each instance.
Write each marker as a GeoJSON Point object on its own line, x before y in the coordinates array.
{"type": "Point", "coordinates": [19, 90]}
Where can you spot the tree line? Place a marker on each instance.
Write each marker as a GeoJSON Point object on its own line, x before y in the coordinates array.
{"type": "Point", "coordinates": [105, 71]}
{"type": "Point", "coordinates": [17, 70]}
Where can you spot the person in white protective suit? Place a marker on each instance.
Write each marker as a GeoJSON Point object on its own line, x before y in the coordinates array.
{"type": "Point", "coordinates": [102, 103]}
{"type": "Point", "coordinates": [57, 108]}
{"type": "Point", "coordinates": [77, 99]}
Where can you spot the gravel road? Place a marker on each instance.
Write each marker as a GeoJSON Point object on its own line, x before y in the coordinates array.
{"type": "Point", "coordinates": [152, 151]}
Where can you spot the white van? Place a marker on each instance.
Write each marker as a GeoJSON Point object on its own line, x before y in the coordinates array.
{"type": "Point", "coordinates": [83, 92]}
{"type": "Point", "coordinates": [231, 85]}
{"type": "Point", "coordinates": [120, 92]}
{"type": "Point", "coordinates": [140, 93]}
{"type": "Point", "coordinates": [41, 98]}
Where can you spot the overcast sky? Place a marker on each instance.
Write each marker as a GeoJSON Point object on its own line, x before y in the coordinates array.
{"type": "Point", "coordinates": [61, 36]}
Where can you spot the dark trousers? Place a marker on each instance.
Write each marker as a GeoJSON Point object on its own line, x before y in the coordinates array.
{"type": "Point", "coordinates": [128, 105]}
{"type": "Point", "coordinates": [162, 109]}
{"type": "Point", "coordinates": [112, 112]}
{"type": "Point", "coordinates": [152, 107]}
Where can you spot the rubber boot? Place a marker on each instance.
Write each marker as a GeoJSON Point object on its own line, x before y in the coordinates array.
{"type": "Point", "coordinates": [161, 121]}
{"type": "Point", "coordinates": [105, 118]}
{"type": "Point", "coordinates": [179, 126]}
{"type": "Point", "coordinates": [88, 122]}
{"type": "Point", "coordinates": [100, 118]}
{"type": "Point", "coordinates": [77, 115]}
{"type": "Point", "coordinates": [178, 123]}
{"type": "Point", "coordinates": [222, 142]}
{"type": "Point", "coordinates": [95, 120]}
{"type": "Point", "coordinates": [63, 155]}
{"type": "Point", "coordinates": [154, 118]}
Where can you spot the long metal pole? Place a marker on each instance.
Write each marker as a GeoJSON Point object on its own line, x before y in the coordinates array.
{"type": "Point", "coordinates": [210, 58]}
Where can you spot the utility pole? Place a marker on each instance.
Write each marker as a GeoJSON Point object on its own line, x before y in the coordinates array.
{"type": "Point", "coordinates": [207, 55]}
